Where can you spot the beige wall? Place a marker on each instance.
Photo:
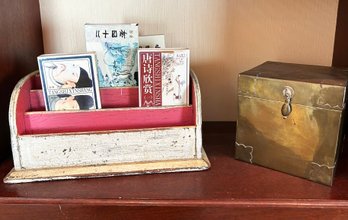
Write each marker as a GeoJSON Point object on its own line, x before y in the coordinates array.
{"type": "Point", "coordinates": [225, 36]}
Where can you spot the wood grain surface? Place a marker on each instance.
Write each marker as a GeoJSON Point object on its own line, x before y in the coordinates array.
{"type": "Point", "coordinates": [230, 189]}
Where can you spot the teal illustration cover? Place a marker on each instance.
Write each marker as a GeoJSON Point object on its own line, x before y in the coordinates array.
{"type": "Point", "coordinates": [116, 46]}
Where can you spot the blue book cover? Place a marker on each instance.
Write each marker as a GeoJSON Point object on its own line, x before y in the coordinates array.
{"type": "Point", "coordinates": [116, 46]}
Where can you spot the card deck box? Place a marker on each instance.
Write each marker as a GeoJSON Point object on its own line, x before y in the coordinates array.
{"type": "Point", "coordinates": [120, 139]}
{"type": "Point", "coordinates": [290, 118]}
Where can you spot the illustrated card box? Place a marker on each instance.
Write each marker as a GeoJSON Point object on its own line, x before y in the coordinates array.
{"type": "Point", "coordinates": [69, 81]}
{"type": "Point", "coordinates": [116, 47]}
{"type": "Point", "coordinates": [152, 41]}
{"type": "Point", "coordinates": [163, 77]}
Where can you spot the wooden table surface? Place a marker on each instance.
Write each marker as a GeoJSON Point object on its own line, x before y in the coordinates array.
{"type": "Point", "coordinates": [229, 189]}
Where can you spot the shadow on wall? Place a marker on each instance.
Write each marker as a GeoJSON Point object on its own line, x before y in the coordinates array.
{"type": "Point", "coordinates": [218, 90]}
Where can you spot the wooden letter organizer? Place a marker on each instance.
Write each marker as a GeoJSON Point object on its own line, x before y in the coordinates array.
{"type": "Point", "coordinates": [120, 139]}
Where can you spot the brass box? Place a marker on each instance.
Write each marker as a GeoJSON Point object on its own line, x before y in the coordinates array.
{"type": "Point", "coordinates": [290, 118]}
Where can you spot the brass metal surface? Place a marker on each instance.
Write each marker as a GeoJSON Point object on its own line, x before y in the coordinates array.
{"type": "Point", "coordinates": [307, 94]}
{"type": "Point", "coordinates": [303, 142]}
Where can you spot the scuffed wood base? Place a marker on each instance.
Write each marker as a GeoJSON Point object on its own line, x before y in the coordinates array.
{"type": "Point", "coordinates": [116, 169]}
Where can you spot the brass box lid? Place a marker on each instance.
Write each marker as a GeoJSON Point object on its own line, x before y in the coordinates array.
{"type": "Point", "coordinates": [315, 86]}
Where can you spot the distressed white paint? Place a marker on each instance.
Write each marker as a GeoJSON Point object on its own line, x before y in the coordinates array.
{"type": "Point", "coordinates": [90, 150]}
{"type": "Point", "coordinates": [32, 175]}
{"type": "Point", "coordinates": [12, 115]}
{"type": "Point", "coordinates": [198, 115]}
{"type": "Point", "coordinates": [60, 150]}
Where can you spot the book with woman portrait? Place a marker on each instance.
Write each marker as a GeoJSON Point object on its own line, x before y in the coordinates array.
{"type": "Point", "coordinates": [69, 81]}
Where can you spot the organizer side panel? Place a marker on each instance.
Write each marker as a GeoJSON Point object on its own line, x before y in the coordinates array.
{"type": "Point", "coordinates": [197, 113]}
{"type": "Point", "coordinates": [22, 105]}
{"type": "Point", "coordinates": [19, 104]}
{"type": "Point", "coordinates": [44, 151]}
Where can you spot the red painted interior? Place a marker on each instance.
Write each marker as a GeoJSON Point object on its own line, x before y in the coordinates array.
{"type": "Point", "coordinates": [36, 81]}
{"type": "Point", "coordinates": [119, 112]}
{"type": "Point", "coordinates": [193, 100]}
{"type": "Point", "coordinates": [108, 119]}
{"type": "Point", "coordinates": [110, 98]}
{"type": "Point", "coordinates": [23, 105]}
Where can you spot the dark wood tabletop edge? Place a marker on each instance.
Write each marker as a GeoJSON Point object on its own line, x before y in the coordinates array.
{"type": "Point", "coordinates": [272, 203]}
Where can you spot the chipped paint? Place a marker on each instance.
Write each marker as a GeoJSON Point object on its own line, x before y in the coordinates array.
{"type": "Point", "coordinates": [46, 157]}
{"type": "Point", "coordinates": [78, 172]}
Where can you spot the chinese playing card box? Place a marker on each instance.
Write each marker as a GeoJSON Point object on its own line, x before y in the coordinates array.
{"type": "Point", "coordinates": [69, 81]}
{"type": "Point", "coordinates": [152, 41]}
{"type": "Point", "coordinates": [116, 46]}
{"type": "Point", "coordinates": [163, 77]}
